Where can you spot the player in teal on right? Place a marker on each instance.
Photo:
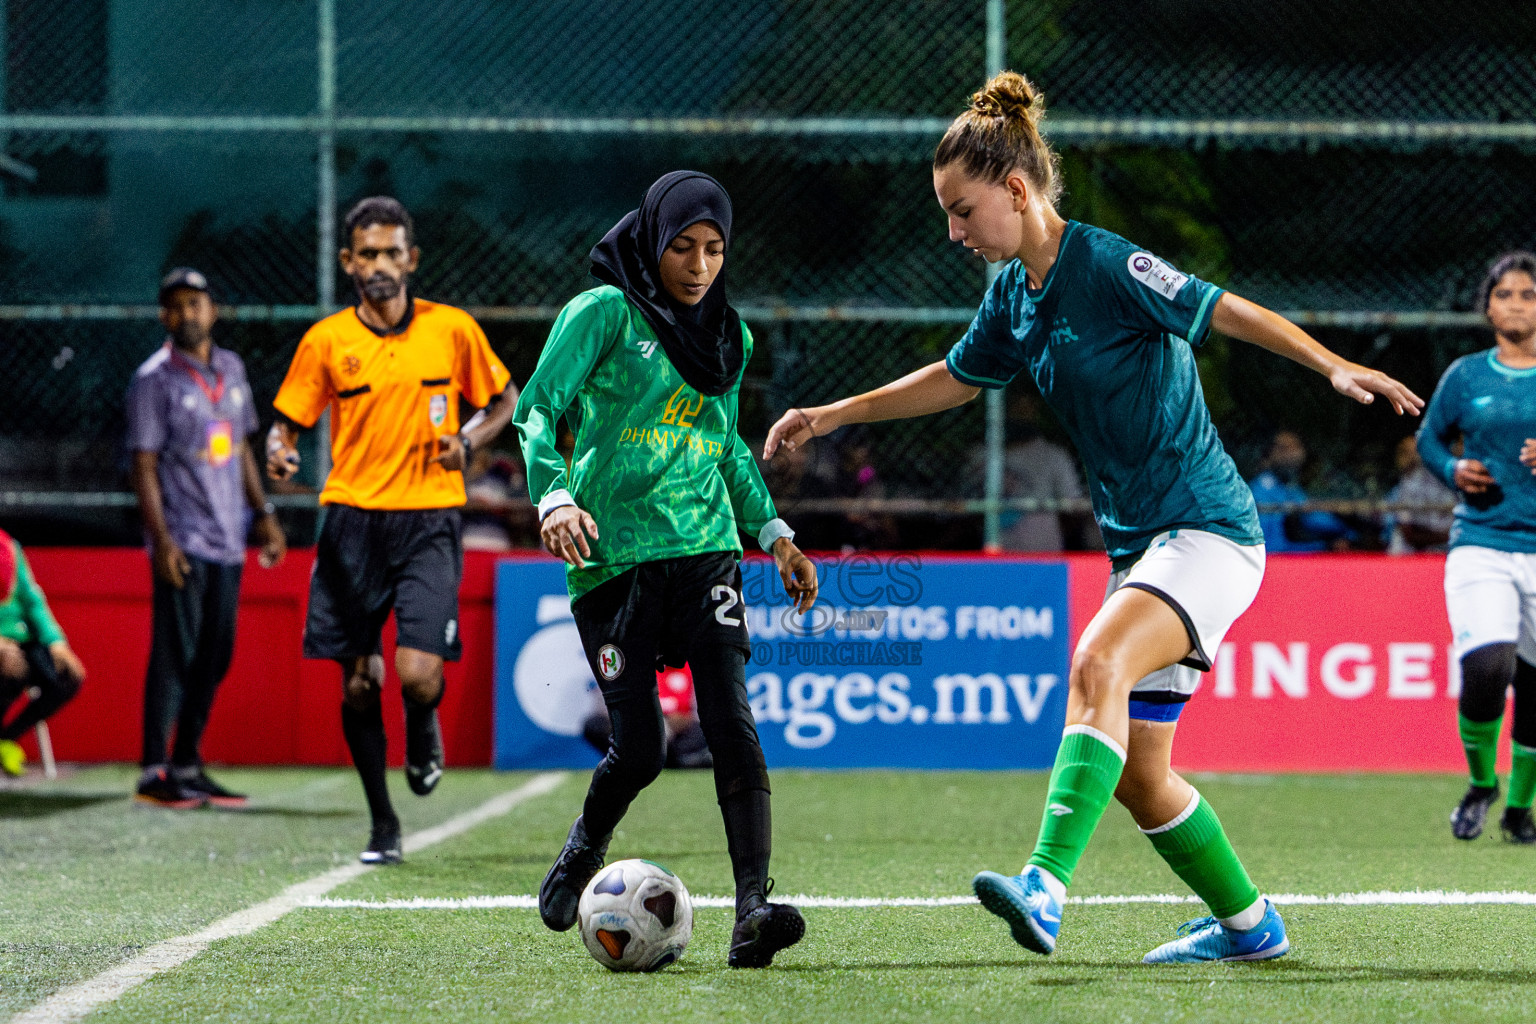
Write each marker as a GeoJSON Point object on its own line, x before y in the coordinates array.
{"type": "Point", "coordinates": [1488, 399]}
{"type": "Point", "coordinates": [1105, 330]}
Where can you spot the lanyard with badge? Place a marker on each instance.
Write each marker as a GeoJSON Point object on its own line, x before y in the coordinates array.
{"type": "Point", "coordinates": [220, 432]}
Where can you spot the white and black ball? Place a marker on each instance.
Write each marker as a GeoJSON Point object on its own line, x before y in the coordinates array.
{"type": "Point", "coordinates": [635, 916]}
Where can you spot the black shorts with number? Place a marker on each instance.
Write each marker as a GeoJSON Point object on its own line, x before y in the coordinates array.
{"type": "Point", "coordinates": [660, 613]}
{"type": "Point", "coordinates": [370, 561]}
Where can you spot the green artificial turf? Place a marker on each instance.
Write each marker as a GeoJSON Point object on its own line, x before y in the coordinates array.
{"type": "Point", "coordinates": [85, 883]}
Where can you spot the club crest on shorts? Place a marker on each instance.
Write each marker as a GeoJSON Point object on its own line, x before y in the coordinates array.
{"type": "Point", "coordinates": [437, 409]}
{"type": "Point", "coordinates": [610, 661]}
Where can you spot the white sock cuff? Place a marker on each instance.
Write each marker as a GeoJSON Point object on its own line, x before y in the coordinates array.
{"type": "Point", "coordinates": [1053, 885]}
{"type": "Point", "coordinates": [1247, 919]}
{"type": "Point", "coordinates": [1104, 738]}
{"type": "Point", "coordinates": [1183, 816]}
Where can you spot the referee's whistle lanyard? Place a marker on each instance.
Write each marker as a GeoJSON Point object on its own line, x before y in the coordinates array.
{"type": "Point", "coordinates": [215, 393]}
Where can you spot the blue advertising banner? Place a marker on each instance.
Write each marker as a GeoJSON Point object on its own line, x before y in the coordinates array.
{"type": "Point", "coordinates": [909, 661]}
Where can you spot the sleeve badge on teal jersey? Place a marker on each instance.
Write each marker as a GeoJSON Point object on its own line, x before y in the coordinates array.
{"type": "Point", "coordinates": [437, 409]}
{"type": "Point", "coordinates": [610, 661]}
{"type": "Point", "coordinates": [1156, 274]}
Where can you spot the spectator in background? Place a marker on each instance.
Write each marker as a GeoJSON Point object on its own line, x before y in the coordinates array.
{"type": "Point", "coordinates": [190, 411]}
{"type": "Point", "coordinates": [684, 740]}
{"type": "Point", "coordinates": [857, 478]}
{"type": "Point", "coordinates": [1411, 532]}
{"type": "Point", "coordinates": [1033, 467]}
{"type": "Point", "coordinates": [497, 514]}
{"type": "Point", "coordinates": [1279, 483]}
{"type": "Point", "coordinates": [35, 659]}
{"type": "Point", "coordinates": [804, 473]}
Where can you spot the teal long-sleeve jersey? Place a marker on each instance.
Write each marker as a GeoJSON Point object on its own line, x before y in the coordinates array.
{"type": "Point", "coordinates": [1493, 409]}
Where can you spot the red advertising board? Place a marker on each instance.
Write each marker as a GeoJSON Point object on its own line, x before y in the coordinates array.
{"type": "Point", "coordinates": [1340, 665]}
{"type": "Point", "coordinates": [274, 707]}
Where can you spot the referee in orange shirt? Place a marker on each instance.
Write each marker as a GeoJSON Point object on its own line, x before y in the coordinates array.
{"type": "Point", "coordinates": [392, 369]}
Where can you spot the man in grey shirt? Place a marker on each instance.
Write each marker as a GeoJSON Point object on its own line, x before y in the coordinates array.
{"type": "Point", "coordinates": [190, 411]}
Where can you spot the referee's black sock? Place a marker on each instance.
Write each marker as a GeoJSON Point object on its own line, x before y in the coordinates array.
{"type": "Point", "coordinates": [364, 731]}
{"type": "Point", "coordinates": [421, 734]}
{"type": "Point", "coordinates": [749, 837]}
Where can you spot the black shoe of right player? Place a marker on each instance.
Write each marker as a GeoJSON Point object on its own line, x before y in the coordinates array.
{"type": "Point", "coordinates": [573, 869]}
{"type": "Point", "coordinates": [1517, 826]}
{"type": "Point", "coordinates": [383, 844]}
{"type": "Point", "coordinates": [1468, 817]}
{"type": "Point", "coordinates": [424, 774]}
{"type": "Point", "coordinates": [762, 932]}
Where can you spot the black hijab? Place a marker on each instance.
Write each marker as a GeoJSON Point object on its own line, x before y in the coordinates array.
{"type": "Point", "coordinates": [702, 341]}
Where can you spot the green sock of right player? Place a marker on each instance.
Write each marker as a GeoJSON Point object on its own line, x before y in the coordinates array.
{"type": "Point", "coordinates": [1481, 740]}
{"type": "Point", "coordinates": [1197, 849]}
{"type": "Point", "coordinates": [1522, 777]}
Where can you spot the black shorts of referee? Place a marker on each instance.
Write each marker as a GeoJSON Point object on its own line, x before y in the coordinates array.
{"type": "Point", "coordinates": [370, 562]}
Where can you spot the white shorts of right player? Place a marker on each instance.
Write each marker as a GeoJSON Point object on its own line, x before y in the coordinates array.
{"type": "Point", "coordinates": [1490, 597]}
{"type": "Point", "coordinates": [1209, 580]}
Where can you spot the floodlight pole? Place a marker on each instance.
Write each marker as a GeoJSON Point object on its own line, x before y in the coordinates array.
{"type": "Point", "coordinates": [991, 526]}
{"type": "Point", "coordinates": [325, 207]}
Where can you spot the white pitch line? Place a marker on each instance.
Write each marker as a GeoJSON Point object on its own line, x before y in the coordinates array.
{"type": "Point", "coordinates": [1429, 898]}
{"type": "Point", "coordinates": [81, 998]}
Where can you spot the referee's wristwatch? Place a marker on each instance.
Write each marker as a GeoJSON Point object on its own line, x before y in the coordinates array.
{"type": "Point", "coordinates": [469, 448]}
{"type": "Point", "coordinates": [268, 509]}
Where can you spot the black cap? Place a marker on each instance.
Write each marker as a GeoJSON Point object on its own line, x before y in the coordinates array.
{"type": "Point", "coordinates": [183, 277]}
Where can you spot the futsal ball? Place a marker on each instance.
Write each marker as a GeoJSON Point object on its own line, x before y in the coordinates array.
{"type": "Point", "coordinates": [635, 916]}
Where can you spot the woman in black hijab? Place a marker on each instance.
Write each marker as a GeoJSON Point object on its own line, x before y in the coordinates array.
{"type": "Point", "coordinates": [646, 369]}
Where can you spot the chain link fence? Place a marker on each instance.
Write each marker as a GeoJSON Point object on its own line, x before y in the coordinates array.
{"type": "Point", "coordinates": [1354, 171]}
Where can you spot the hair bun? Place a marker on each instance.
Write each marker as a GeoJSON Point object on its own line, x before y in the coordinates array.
{"type": "Point", "coordinates": [1009, 94]}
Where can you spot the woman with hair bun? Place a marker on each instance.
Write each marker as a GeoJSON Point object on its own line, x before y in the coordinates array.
{"type": "Point", "coordinates": [1106, 329]}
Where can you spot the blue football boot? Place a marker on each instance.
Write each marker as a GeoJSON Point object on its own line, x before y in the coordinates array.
{"type": "Point", "coordinates": [1032, 913]}
{"type": "Point", "coordinates": [1207, 940]}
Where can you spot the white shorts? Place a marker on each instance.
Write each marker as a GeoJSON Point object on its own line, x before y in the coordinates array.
{"type": "Point", "coordinates": [1490, 597]}
{"type": "Point", "coordinates": [1210, 581]}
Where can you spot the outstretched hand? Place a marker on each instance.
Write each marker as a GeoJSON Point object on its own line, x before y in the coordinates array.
{"type": "Point", "coordinates": [1363, 385]}
{"type": "Point", "coordinates": [794, 428]}
{"type": "Point", "coordinates": [798, 573]}
{"type": "Point", "coordinates": [564, 533]}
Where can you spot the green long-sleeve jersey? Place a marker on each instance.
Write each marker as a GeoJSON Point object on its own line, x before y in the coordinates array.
{"type": "Point", "coordinates": [659, 466]}
{"type": "Point", "coordinates": [24, 613]}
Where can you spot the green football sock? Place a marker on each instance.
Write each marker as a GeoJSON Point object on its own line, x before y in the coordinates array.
{"type": "Point", "coordinates": [1482, 742]}
{"type": "Point", "coordinates": [1522, 777]}
{"type": "Point", "coordinates": [1198, 851]}
{"type": "Point", "coordinates": [1088, 767]}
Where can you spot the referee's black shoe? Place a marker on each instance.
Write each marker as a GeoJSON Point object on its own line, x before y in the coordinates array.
{"type": "Point", "coordinates": [1517, 826]}
{"type": "Point", "coordinates": [561, 890]}
{"type": "Point", "coordinates": [1468, 817]}
{"type": "Point", "coordinates": [423, 752]}
{"type": "Point", "coordinates": [762, 931]}
{"type": "Point", "coordinates": [383, 844]}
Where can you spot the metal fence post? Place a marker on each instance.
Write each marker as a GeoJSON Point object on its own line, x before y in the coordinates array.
{"type": "Point", "coordinates": [991, 525]}
{"type": "Point", "coordinates": [325, 207]}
